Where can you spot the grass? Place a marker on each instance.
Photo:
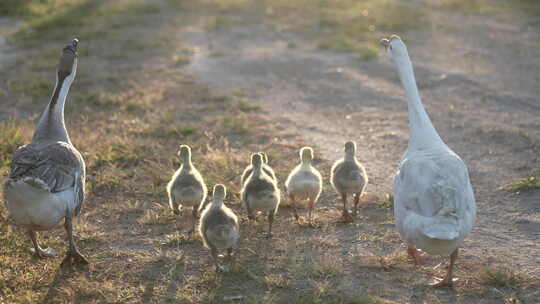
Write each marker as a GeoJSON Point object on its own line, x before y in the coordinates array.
{"type": "Point", "coordinates": [523, 184]}
{"type": "Point", "coordinates": [339, 26]}
{"type": "Point", "coordinates": [502, 278]}
{"type": "Point", "coordinates": [13, 134]}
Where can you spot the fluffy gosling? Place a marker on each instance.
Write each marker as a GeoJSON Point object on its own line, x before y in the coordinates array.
{"type": "Point", "coordinates": [260, 192]}
{"type": "Point", "coordinates": [219, 227]}
{"type": "Point", "coordinates": [187, 187]}
{"type": "Point", "coordinates": [348, 176]}
{"type": "Point", "coordinates": [267, 169]}
{"type": "Point", "coordinates": [304, 183]}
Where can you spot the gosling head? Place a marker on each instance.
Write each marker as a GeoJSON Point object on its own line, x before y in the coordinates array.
{"type": "Point", "coordinates": [350, 149]}
{"type": "Point", "coordinates": [256, 160]}
{"type": "Point", "coordinates": [67, 67]}
{"type": "Point", "coordinates": [306, 155]}
{"type": "Point", "coordinates": [185, 153]}
{"type": "Point", "coordinates": [219, 193]}
{"type": "Point", "coordinates": [264, 157]}
{"type": "Point", "coordinates": [395, 48]}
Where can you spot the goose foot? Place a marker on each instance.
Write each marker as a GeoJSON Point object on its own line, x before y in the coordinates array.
{"type": "Point", "coordinates": [220, 269]}
{"type": "Point", "coordinates": [74, 257]}
{"type": "Point", "coordinates": [446, 282]}
{"type": "Point", "coordinates": [417, 255]}
{"type": "Point", "coordinates": [346, 218]}
{"type": "Point", "coordinates": [43, 252]}
{"type": "Point", "coordinates": [315, 226]}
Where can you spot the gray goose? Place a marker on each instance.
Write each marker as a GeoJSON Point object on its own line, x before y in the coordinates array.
{"type": "Point", "coordinates": [187, 187]}
{"type": "Point", "coordinates": [266, 168]}
{"type": "Point", "coordinates": [348, 176]}
{"type": "Point", "coordinates": [304, 183]}
{"type": "Point", "coordinates": [47, 178]}
{"type": "Point", "coordinates": [260, 192]}
{"type": "Point", "coordinates": [219, 227]}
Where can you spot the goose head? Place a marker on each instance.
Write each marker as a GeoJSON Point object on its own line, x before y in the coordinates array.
{"type": "Point", "coordinates": [219, 193]}
{"type": "Point", "coordinates": [256, 160]}
{"type": "Point", "coordinates": [306, 155]}
{"type": "Point", "coordinates": [395, 49]}
{"type": "Point", "coordinates": [350, 149]}
{"type": "Point", "coordinates": [185, 154]}
{"type": "Point", "coordinates": [67, 68]}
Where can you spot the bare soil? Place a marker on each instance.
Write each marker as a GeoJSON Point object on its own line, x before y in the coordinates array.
{"type": "Point", "coordinates": [480, 84]}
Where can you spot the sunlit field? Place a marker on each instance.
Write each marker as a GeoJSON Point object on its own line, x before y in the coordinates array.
{"type": "Point", "coordinates": [233, 77]}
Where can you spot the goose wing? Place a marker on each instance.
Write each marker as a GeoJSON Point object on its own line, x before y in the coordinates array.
{"type": "Point", "coordinates": [58, 165]}
{"type": "Point", "coordinates": [437, 188]}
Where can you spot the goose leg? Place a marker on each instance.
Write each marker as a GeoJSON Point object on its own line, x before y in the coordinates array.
{"type": "Point", "coordinates": [194, 213]}
{"type": "Point", "coordinates": [417, 255]}
{"type": "Point", "coordinates": [230, 257]}
{"type": "Point", "coordinates": [270, 220]}
{"type": "Point", "coordinates": [249, 212]}
{"type": "Point", "coordinates": [346, 217]}
{"type": "Point", "coordinates": [213, 251]}
{"type": "Point", "coordinates": [448, 280]}
{"type": "Point", "coordinates": [37, 250]}
{"type": "Point", "coordinates": [293, 203]}
{"type": "Point", "coordinates": [310, 210]}
{"type": "Point", "coordinates": [73, 254]}
{"type": "Point", "coordinates": [176, 208]}
{"type": "Point", "coordinates": [356, 201]}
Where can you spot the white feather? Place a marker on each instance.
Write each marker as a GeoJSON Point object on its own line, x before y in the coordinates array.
{"type": "Point", "coordinates": [434, 202]}
{"type": "Point", "coordinates": [36, 207]}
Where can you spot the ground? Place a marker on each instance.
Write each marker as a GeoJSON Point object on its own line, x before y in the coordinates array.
{"type": "Point", "coordinates": [230, 77]}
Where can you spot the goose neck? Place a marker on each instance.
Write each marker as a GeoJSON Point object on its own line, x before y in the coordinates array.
{"type": "Point", "coordinates": [51, 124]}
{"type": "Point", "coordinates": [423, 134]}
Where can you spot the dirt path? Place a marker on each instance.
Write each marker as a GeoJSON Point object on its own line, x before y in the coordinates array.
{"type": "Point", "coordinates": [479, 81]}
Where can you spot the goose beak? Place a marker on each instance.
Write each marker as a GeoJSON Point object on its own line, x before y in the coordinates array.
{"type": "Point", "coordinates": [69, 55]}
{"type": "Point", "coordinates": [385, 42]}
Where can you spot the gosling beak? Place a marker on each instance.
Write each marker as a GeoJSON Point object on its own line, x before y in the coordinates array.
{"type": "Point", "coordinates": [385, 42]}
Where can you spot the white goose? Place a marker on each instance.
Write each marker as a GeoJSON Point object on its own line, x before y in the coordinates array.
{"type": "Point", "coordinates": [434, 202]}
{"type": "Point", "coordinates": [46, 182]}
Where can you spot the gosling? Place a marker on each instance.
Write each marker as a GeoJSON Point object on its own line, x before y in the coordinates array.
{"type": "Point", "coordinates": [266, 168]}
{"type": "Point", "coordinates": [187, 187]}
{"type": "Point", "coordinates": [219, 227]}
{"type": "Point", "coordinates": [260, 192]}
{"type": "Point", "coordinates": [348, 176]}
{"type": "Point", "coordinates": [304, 183]}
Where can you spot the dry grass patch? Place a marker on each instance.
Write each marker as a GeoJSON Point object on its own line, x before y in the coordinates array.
{"type": "Point", "coordinates": [523, 184]}
{"type": "Point", "coordinates": [343, 26]}
{"type": "Point", "coordinates": [501, 277]}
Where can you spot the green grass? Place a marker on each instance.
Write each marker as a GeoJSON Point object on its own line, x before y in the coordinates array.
{"type": "Point", "coordinates": [501, 278]}
{"type": "Point", "coordinates": [523, 184]}
{"type": "Point", "coordinates": [34, 86]}
{"type": "Point", "coordinates": [13, 134]}
{"type": "Point", "coordinates": [58, 19]}
{"type": "Point", "coordinates": [341, 25]}
{"type": "Point", "coordinates": [248, 106]}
